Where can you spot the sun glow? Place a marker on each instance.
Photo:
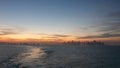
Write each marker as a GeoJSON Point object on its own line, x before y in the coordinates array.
{"type": "Point", "coordinates": [34, 38]}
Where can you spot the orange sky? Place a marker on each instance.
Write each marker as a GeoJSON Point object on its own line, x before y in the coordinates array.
{"type": "Point", "coordinates": [51, 38]}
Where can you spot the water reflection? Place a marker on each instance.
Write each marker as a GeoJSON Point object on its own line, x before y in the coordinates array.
{"type": "Point", "coordinates": [34, 54]}
{"type": "Point", "coordinates": [31, 58]}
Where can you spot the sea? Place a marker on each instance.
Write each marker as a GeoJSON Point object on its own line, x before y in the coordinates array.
{"type": "Point", "coordinates": [59, 56]}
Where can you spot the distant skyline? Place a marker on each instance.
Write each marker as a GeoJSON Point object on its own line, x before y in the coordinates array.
{"type": "Point", "coordinates": [60, 20]}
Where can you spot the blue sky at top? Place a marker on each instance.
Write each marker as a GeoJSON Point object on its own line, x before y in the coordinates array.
{"type": "Point", "coordinates": [55, 16]}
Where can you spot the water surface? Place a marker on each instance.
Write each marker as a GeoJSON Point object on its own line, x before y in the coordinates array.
{"type": "Point", "coordinates": [61, 57]}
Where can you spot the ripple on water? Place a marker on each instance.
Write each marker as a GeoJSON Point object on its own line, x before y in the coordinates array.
{"type": "Point", "coordinates": [32, 58]}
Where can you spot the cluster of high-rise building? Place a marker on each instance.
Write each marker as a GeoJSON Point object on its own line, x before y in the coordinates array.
{"type": "Point", "coordinates": [63, 43]}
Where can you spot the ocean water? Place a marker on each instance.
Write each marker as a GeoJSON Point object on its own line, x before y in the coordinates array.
{"type": "Point", "coordinates": [59, 56]}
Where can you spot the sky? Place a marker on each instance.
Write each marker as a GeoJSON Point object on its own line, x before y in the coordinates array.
{"type": "Point", "coordinates": [60, 20]}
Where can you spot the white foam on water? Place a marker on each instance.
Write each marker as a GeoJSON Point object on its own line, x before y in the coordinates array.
{"type": "Point", "coordinates": [31, 58]}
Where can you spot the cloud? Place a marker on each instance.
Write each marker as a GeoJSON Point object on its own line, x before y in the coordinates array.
{"type": "Point", "coordinates": [111, 24]}
{"type": "Point", "coordinates": [60, 35]}
{"type": "Point", "coordinates": [42, 34]}
{"type": "Point", "coordinates": [114, 15]}
{"type": "Point", "coordinates": [9, 30]}
{"type": "Point", "coordinates": [56, 36]}
{"type": "Point", "coordinates": [53, 35]}
{"type": "Point", "coordinates": [105, 35]}
{"type": "Point", "coordinates": [109, 27]}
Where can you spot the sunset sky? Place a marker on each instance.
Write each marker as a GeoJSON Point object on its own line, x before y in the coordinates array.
{"type": "Point", "coordinates": [60, 20]}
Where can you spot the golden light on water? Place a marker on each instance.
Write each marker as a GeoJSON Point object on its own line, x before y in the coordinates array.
{"type": "Point", "coordinates": [33, 54]}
